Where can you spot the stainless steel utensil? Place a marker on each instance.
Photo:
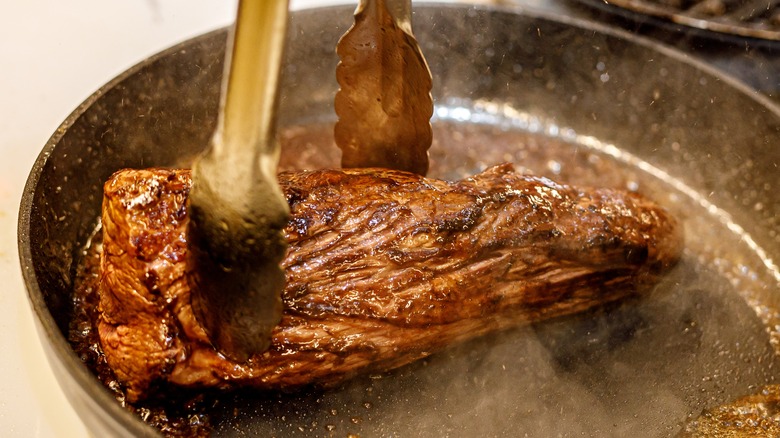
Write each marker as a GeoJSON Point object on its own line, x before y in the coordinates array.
{"type": "Point", "coordinates": [236, 206]}
{"type": "Point", "coordinates": [384, 104]}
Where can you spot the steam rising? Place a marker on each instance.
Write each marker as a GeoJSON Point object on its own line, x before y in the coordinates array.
{"type": "Point", "coordinates": [637, 369]}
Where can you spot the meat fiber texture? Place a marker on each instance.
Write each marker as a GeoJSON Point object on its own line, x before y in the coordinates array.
{"type": "Point", "coordinates": [383, 268]}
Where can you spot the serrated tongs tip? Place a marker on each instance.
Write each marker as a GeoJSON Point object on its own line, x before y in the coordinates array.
{"type": "Point", "coordinates": [384, 103]}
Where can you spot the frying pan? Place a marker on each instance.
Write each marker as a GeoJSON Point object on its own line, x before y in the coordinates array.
{"type": "Point", "coordinates": [561, 97]}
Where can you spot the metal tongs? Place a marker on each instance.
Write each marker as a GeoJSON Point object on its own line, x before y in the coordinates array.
{"type": "Point", "coordinates": [384, 104]}
{"type": "Point", "coordinates": [237, 210]}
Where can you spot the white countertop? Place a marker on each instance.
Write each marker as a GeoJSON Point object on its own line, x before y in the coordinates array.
{"type": "Point", "coordinates": [54, 55]}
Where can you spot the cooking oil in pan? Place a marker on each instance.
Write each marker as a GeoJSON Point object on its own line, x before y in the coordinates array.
{"type": "Point", "coordinates": [642, 367]}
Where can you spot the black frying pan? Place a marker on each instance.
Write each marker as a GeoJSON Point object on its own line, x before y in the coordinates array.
{"type": "Point", "coordinates": [553, 94]}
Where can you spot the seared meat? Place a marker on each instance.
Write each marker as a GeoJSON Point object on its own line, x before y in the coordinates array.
{"type": "Point", "coordinates": [754, 415]}
{"type": "Point", "coordinates": [383, 268]}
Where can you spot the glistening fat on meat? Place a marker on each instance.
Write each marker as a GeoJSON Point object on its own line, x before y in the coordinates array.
{"type": "Point", "coordinates": [383, 268]}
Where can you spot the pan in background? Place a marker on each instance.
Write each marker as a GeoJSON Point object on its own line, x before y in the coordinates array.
{"type": "Point", "coordinates": [509, 85]}
{"type": "Point", "coordinates": [751, 58]}
{"type": "Point", "coordinates": [758, 19]}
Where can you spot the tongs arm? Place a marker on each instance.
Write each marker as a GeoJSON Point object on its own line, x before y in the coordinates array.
{"type": "Point", "coordinates": [384, 103]}
{"type": "Point", "coordinates": [237, 210]}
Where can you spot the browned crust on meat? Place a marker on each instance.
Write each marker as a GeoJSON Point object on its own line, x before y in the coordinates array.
{"type": "Point", "coordinates": [383, 267]}
{"type": "Point", "coordinates": [753, 415]}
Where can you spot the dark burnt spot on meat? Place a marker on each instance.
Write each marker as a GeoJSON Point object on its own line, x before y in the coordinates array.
{"type": "Point", "coordinates": [180, 209]}
{"type": "Point", "coordinates": [604, 242]}
{"type": "Point", "coordinates": [635, 254]}
{"type": "Point", "coordinates": [499, 197]}
{"type": "Point", "coordinates": [150, 280]}
{"type": "Point", "coordinates": [294, 195]}
{"type": "Point", "coordinates": [299, 225]}
{"type": "Point", "coordinates": [462, 220]}
{"type": "Point", "coordinates": [329, 214]}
